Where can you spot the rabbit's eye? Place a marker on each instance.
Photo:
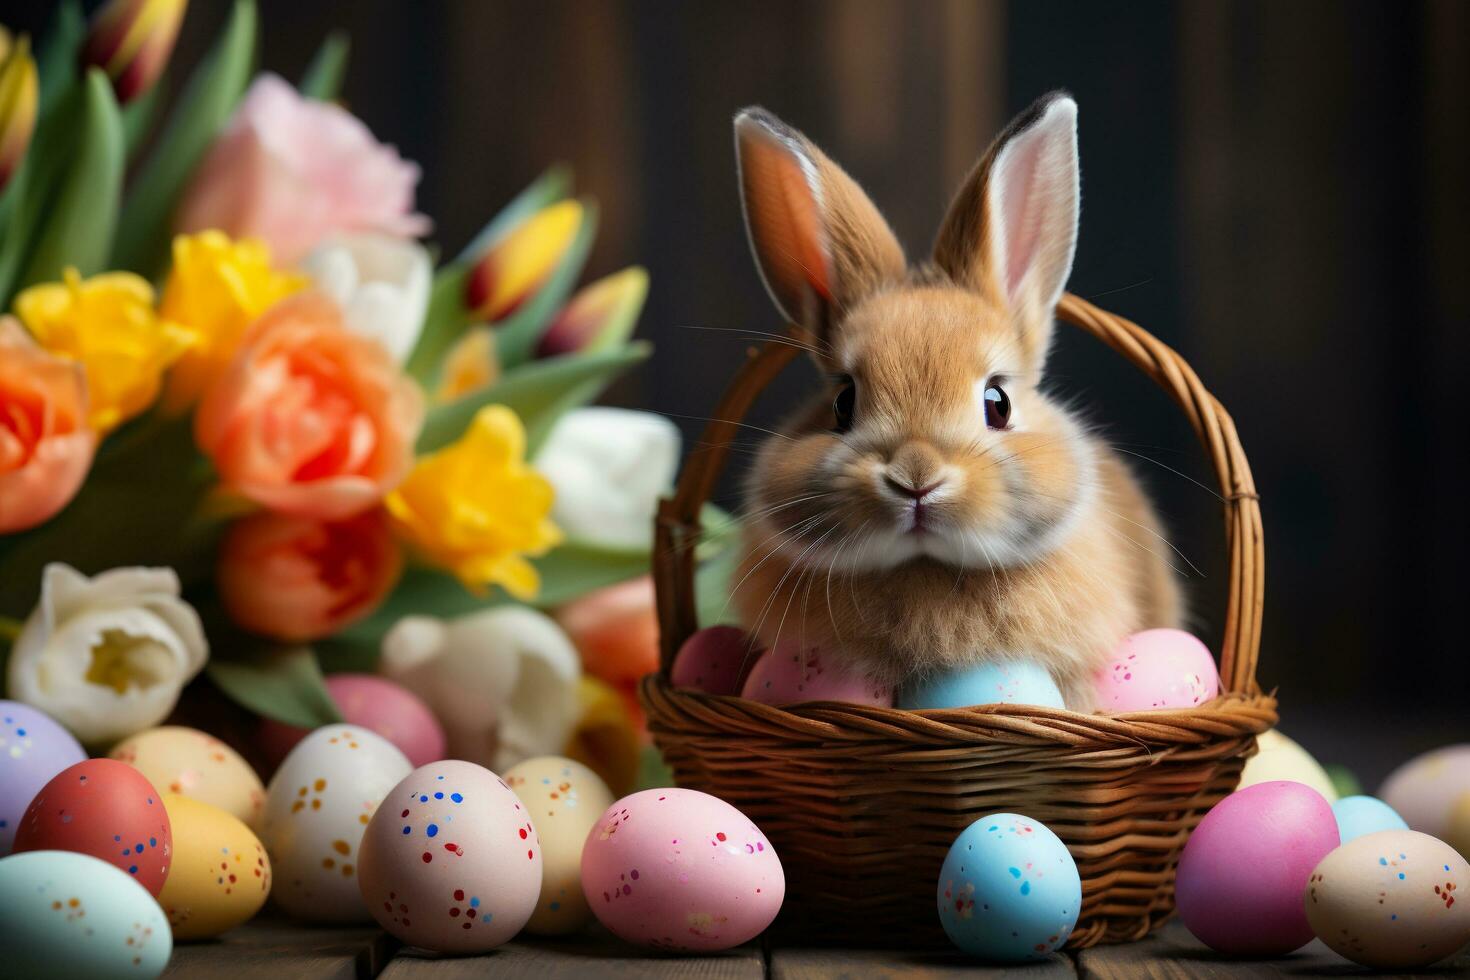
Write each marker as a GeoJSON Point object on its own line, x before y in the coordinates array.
{"type": "Point", "coordinates": [997, 407]}
{"type": "Point", "coordinates": [843, 404]}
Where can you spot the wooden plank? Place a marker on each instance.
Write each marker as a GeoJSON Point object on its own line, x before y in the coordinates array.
{"type": "Point", "coordinates": [592, 954]}
{"type": "Point", "coordinates": [272, 948]}
{"type": "Point", "coordinates": [833, 964]}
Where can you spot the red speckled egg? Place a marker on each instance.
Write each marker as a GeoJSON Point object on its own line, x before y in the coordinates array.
{"type": "Point", "coordinates": [106, 809]}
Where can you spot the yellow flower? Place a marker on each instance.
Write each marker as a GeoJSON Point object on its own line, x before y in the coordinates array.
{"type": "Point", "coordinates": [470, 365]}
{"type": "Point", "coordinates": [215, 291]}
{"type": "Point", "coordinates": [108, 325]}
{"type": "Point", "coordinates": [19, 91]}
{"type": "Point", "coordinates": [518, 264]}
{"type": "Point", "coordinates": [476, 508]}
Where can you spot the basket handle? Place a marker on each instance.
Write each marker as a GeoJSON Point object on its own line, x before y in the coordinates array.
{"type": "Point", "coordinates": [677, 527]}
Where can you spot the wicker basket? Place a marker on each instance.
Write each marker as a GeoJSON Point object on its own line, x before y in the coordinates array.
{"type": "Point", "coordinates": [862, 803]}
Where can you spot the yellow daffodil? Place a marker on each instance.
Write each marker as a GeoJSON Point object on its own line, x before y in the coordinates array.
{"type": "Point", "coordinates": [477, 509]}
{"type": "Point", "coordinates": [108, 325]}
{"type": "Point", "coordinates": [215, 291]}
{"type": "Point", "coordinates": [516, 265]}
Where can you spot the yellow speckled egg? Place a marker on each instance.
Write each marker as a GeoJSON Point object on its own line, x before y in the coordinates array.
{"type": "Point", "coordinates": [564, 799]}
{"type": "Point", "coordinates": [220, 876]}
{"type": "Point", "coordinates": [189, 762]}
{"type": "Point", "coordinates": [1391, 900]}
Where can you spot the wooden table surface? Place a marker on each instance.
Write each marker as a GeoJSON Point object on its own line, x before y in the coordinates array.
{"type": "Point", "coordinates": [272, 949]}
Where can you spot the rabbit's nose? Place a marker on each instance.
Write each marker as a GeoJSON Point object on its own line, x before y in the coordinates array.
{"type": "Point", "coordinates": [907, 489]}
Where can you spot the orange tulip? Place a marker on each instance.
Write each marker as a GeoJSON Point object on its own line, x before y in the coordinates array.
{"type": "Point", "coordinates": [615, 630]}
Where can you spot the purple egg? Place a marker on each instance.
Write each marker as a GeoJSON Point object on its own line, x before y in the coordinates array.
{"type": "Point", "coordinates": [33, 748]}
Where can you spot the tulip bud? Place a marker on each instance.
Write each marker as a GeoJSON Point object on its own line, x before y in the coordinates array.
{"type": "Point", "coordinates": [131, 40]}
{"type": "Point", "coordinates": [515, 267]}
{"type": "Point", "coordinates": [19, 90]}
{"type": "Point", "coordinates": [470, 365]}
{"type": "Point", "coordinates": [600, 316]}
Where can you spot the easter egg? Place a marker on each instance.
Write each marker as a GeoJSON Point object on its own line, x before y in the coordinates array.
{"type": "Point", "coordinates": [451, 860]}
{"type": "Point", "coordinates": [714, 660]}
{"type": "Point", "coordinates": [189, 762]}
{"type": "Point", "coordinates": [1425, 789]}
{"type": "Point", "coordinates": [1457, 835]}
{"type": "Point", "coordinates": [679, 869]}
{"type": "Point", "coordinates": [1160, 668]}
{"type": "Point", "coordinates": [33, 748]}
{"type": "Point", "coordinates": [1241, 877]}
{"type": "Point", "coordinates": [1009, 890]}
{"type": "Point", "coordinates": [790, 673]}
{"type": "Point", "coordinates": [374, 703]}
{"type": "Point", "coordinates": [69, 915]}
{"type": "Point", "coordinates": [1001, 682]}
{"type": "Point", "coordinates": [1360, 815]}
{"type": "Point", "coordinates": [564, 799]}
{"type": "Point", "coordinates": [1278, 758]}
{"type": "Point", "coordinates": [104, 808]}
{"type": "Point", "coordinates": [1390, 900]}
{"type": "Point", "coordinates": [317, 809]}
{"type": "Point", "coordinates": [221, 875]}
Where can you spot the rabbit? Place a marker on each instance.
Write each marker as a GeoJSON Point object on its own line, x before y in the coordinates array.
{"type": "Point", "coordinates": [933, 508]}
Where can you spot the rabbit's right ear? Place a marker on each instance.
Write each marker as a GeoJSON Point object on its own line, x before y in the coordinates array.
{"type": "Point", "coordinates": [819, 242]}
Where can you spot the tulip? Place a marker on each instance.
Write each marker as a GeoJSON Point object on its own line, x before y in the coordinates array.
{"type": "Point", "coordinates": [615, 630]}
{"type": "Point", "coordinates": [600, 316]}
{"type": "Point", "coordinates": [516, 266]}
{"type": "Point", "coordinates": [471, 364]}
{"type": "Point", "coordinates": [19, 92]}
{"type": "Point", "coordinates": [131, 41]}
{"type": "Point", "coordinates": [381, 283]}
{"type": "Point", "coordinates": [107, 656]}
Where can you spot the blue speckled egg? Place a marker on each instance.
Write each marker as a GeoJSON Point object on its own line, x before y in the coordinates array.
{"type": "Point", "coordinates": [72, 915]}
{"type": "Point", "coordinates": [33, 748]}
{"type": "Point", "coordinates": [1013, 682]}
{"type": "Point", "coordinates": [1359, 815]}
{"type": "Point", "coordinates": [1009, 890]}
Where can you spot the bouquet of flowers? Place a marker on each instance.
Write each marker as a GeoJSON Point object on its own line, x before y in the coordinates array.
{"type": "Point", "coordinates": [247, 427]}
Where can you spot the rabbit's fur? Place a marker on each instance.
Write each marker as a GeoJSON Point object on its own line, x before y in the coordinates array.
{"type": "Point", "coordinates": [1027, 540]}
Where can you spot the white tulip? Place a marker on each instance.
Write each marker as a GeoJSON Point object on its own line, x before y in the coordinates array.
{"type": "Point", "coordinates": [503, 682]}
{"type": "Point", "coordinates": [609, 467]}
{"type": "Point", "coordinates": [381, 283]}
{"type": "Point", "coordinates": [107, 656]}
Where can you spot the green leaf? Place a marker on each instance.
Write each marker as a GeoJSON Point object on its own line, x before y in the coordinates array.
{"type": "Point", "coordinates": [573, 569]}
{"type": "Point", "coordinates": [538, 392]}
{"type": "Point", "coordinates": [56, 61]}
{"type": "Point", "coordinates": [516, 336]}
{"type": "Point", "coordinates": [139, 116]}
{"type": "Point", "coordinates": [82, 215]}
{"type": "Point", "coordinates": [323, 78]}
{"type": "Point", "coordinates": [284, 684]}
{"type": "Point", "coordinates": [712, 584]}
{"type": "Point", "coordinates": [203, 109]}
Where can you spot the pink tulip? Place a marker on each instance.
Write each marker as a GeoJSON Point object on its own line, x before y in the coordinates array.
{"type": "Point", "coordinates": [293, 171]}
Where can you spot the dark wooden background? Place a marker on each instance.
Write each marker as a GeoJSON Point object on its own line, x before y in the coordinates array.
{"type": "Point", "coordinates": [1280, 190]}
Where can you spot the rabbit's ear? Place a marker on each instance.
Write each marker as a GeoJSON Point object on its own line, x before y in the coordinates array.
{"type": "Point", "coordinates": [819, 242]}
{"type": "Point", "coordinates": [1011, 232]}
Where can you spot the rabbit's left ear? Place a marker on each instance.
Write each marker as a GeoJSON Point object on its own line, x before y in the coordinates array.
{"type": "Point", "coordinates": [1011, 232]}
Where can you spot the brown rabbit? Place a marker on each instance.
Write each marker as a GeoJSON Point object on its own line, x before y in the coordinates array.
{"type": "Point", "coordinates": [933, 508]}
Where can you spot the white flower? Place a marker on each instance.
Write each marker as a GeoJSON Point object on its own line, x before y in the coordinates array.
{"type": "Point", "coordinates": [107, 656]}
{"type": "Point", "coordinates": [609, 467]}
{"type": "Point", "coordinates": [381, 283]}
{"type": "Point", "coordinates": [503, 682]}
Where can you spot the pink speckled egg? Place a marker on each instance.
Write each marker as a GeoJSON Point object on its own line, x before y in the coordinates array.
{"type": "Point", "coordinates": [790, 672]}
{"type": "Point", "coordinates": [374, 703]}
{"type": "Point", "coordinates": [1161, 668]}
{"type": "Point", "coordinates": [714, 660]}
{"type": "Point", "coordinates": [1241, 876]}
{"type": "Point", "coordinates": [451, 860]}
{"type": "Point", "coordinates": [679, 869]}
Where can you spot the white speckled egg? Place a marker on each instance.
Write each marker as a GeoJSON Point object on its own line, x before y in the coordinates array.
{"type": "Point", "coordinates": [451, 860]}
{"type": "Point", "coordinates": [1390, 900]}
{"type": "Point", "coordinates": [564, 798]}
{"type": "Point", "coordinates": [70, 915]}
{"type": "Point", "coordinates": [317, 808]}
{"type": "Point", "coordinates": [190, 763]}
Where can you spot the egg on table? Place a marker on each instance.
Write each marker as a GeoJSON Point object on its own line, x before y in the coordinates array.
{"type": "Point", "coordinates": [374, 703]}
{"type": "Point", "coordinates": [715, 660]}
{"type": "Point", "coordinates": [1426, 790]}
{"type": "Point", "coordinates": [997, 682]}
{"type": "Point", "coordinates": [69, 915]}
{"type": "Point", "coordinates": [317, 808]}
{"type": "Point", "coordinates": [564, 799]}
{"type": "Point", "coordinates": [107, 809]}
{"type": "Point", "coordinates": [1153, 669]}
{"type": "Point", "coordinates": [791, 672]}
{"type": "Point", "coordinates": [33, 748]}
{"type": "Point", "coordinates": [682, 870]}
{"type": "Point", "coordinates": [221, 874]}
{"type": "Point", "coordinates": [1390, 900]}
{"type": "Point", "coordinates": [189, 762]}
{"type": "Point", "coordinates": [451, 860]}
{"type": "Point", "coordinates": [1279, 758]}
{"type": "Point", "coordinates": [1360, 815]}
{"type": "Point", "coordinates": [1009, 890]}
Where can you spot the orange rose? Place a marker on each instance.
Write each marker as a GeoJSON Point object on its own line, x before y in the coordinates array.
{"type": "Point", "coordinates": [310, 419]}
{"type": "Point", "coordinates": [298, 579]}
{"type": "Point", "coordinates": [615, 630]}
{"type": "Point", "coordinates": [45, 445]}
